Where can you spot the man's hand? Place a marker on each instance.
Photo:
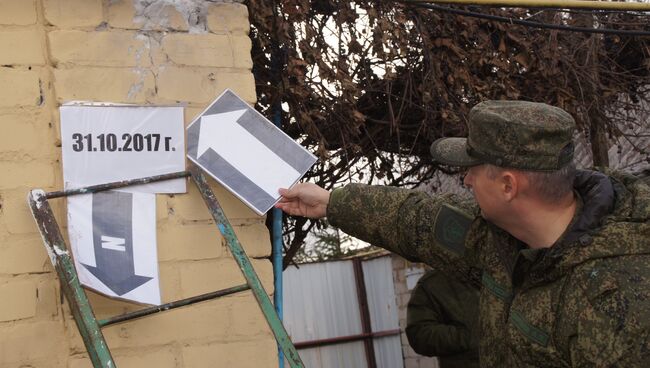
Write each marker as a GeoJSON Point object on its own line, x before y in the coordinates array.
{"type": "Point", "coordinates": [304, 199]}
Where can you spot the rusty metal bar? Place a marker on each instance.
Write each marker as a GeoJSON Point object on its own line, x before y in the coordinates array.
{"type": "Point", "coordinates": [82, 312]}
{"type": "Point", "coordinates": [364, 311]}
{"type": "Point", "coordinates": [247, 270]}
{"type": "Point", "coordinates": [344, 339]}
{"type": "Point", "coordinates": [116, 185]}
{"type": "Point", "coordinates": [172, 305]}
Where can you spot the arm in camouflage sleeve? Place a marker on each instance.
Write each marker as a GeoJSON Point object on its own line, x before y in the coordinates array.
{"type": "Point", "coordinates": [419, 227]}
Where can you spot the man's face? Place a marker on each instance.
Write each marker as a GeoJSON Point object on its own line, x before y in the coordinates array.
{"type": "Point", "coordinates": [486, 191]}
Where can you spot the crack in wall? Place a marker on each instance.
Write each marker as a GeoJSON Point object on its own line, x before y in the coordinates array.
{"type": "Point", "coordinates": [153, 14]}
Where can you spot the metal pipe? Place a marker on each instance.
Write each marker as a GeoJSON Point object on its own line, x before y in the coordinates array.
{"type": "Point", "coordinates": [366, 325]}
{"type": "Point", "coordinates": [276, 252]}
{"type": "Point", "coordinates": [277, 65]}
{"type": "Point", "coordinates": [561, 4]}
{"type": "Point", "coordinates": [171, 305]}
{"type": "Point", "coordinates": [116, 185]}
{"type": "Point", "coordinates": [344, 339]}
{"type": "Point", "coordinates": [277, 271]}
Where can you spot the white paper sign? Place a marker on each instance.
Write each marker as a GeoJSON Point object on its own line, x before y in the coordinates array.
{"type": "Point", "coordinates": [245, 152]}
{"type": "Point", "coordinates": [103, 144]}
{"type": "Point", "coordinates": [113, 233]}
{"type": "Point", "coordinates": [113, 239]}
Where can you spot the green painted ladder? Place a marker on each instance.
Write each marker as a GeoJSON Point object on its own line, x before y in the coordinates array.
{"type": "Point", "coordinates": [89, 327]}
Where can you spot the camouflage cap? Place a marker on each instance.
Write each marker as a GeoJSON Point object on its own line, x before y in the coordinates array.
{"type": "Point", "coordinates": [517, 134]}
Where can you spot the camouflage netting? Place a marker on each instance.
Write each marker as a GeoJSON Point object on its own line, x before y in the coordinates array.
{"type": "Point", "coordinates": [368, 85]}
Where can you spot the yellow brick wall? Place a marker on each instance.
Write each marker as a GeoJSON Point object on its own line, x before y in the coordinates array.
{"type": "Point", "coordinates": [52, 51]}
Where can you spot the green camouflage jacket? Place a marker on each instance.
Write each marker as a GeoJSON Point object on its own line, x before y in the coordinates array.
{"type": "Point", "coordinates": [442, 320]}
{"type": "Point", "coordinates": [585, 302]}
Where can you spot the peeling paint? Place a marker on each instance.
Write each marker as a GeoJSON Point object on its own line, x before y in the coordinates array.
{"type": "Point", "coordinates": [137, 86]}
{"type": "Point", "coordinates": [50, 253]}
{"type": "Point", "coordinates": [60, 252]}
{"type": "Point", "coordinates": [152, 13]}
{"type": "Point", "coordinates": [37, 195]}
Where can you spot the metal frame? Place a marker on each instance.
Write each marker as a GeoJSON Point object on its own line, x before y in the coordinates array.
{"type": "Point", "coordinates": [88, 325]}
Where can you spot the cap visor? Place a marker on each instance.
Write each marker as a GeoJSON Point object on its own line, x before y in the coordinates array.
{"type": "Point", "coordinates": [452, 152]}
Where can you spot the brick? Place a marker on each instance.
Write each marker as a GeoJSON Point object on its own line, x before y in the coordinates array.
{"type": "Point", "coordinates": [18, 300]}
{"type": "Point", "coordinates": [242, 46]}
{"type": "Point", "coordinates": [121, 14]}
{"type": "Point", "coordinates": [160, 17]}
{"type": "Point", "coordinates": [24, 254]}
{"type": "Point", "coordinates": [247, 319]}
{"type": "Point", "coordinates": [73, 13]}
{"type": "Point", "coordinates": [25, 47]}
{"type": "Point", "coordinates": [159, 358]}
{"type": "Point", "coordinates": [202, 85]}
{"type": "Point", "coordinates": [48, 298]}
{"type": "Point", "coordinates": [39, 344]}
{"type": "Point", "coordinates": [244, 354]}
{"type": "Point", "coordinates": [231, 18]}
{"type": "Point", "coordinates": [104, 306]}
{"type": "Point", "coordinates": [208, 320]}
{"type": "Point", "coordinates": [170, 281]}
{"type": "Point", "coordinates": [254, 238]}
{"type": "Point", "coordinates": [201, 277]}
{"type": "Point", "coordinates": [33, 174]}
{"type": "Point", "coordinates": [25, 88]}
{"type": "Point", "coordinates": [19, 13]}
{"type": "Point", "coordinates": [189, 242]}
{"type": "Point", "coordinates": [199, 49]}
{"type": "Point", "coordinates": [115, 48]}
{"type": "Point", "coordinates": [131, 85]}
{"type": "Point", "coordinates": [192, 207]}
{"type": "Point", "coordinates": [189, 206]}
{"type": "Point", "coordinates": [15, 217]}
{"type": "Point", "coordinates": [28, 132]}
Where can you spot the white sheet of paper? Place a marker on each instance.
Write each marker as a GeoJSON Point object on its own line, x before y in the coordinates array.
{"type": "Point", "coordinates": [123, 248]}
{"type": "Point", "coordinates": [103, 144]}
{"type": "Point", "coordinates": [245, 152]}
{"type": "Point", "coordinates": [113, 234]}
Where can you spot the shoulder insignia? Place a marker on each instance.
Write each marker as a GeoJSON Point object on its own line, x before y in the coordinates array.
{"type": "Point", "coordinates": [450, 229]}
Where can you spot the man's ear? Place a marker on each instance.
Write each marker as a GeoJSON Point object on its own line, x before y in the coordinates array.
{"type": "Point", "coordinates": [510, 184]}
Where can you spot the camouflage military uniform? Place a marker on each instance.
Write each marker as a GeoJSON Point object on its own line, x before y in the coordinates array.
{"type": "Point", "coordinates": [583, 302]}
{"type": "Point", "coordinates": [442, 320]}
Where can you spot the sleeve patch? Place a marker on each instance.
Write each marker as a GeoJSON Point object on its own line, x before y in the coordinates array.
{"type": "Point", "coordinates": [451, 227]}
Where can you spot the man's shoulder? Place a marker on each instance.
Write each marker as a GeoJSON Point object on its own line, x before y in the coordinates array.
{"type": "Point", "coordinates": [614, 279]}
{"type": "Point", "coordinates": [611, 308]}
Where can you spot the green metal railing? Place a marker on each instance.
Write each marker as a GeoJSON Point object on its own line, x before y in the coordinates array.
{"type": "Point", "coordinates": [88, 325]}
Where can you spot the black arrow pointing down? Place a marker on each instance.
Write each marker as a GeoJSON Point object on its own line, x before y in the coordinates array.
{"type": "Point", "coordinates": [112, 219]}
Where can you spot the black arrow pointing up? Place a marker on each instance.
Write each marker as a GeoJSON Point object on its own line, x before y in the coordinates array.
{"type": "Point", "coordinates": [113, 242]}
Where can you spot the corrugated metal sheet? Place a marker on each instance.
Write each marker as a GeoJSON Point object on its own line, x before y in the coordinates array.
{"type": "Point", "coordinates": [378, 276]}
{"type": "Point", "coordinates": [320, 302]}
{"type": "Point", "coordinates": [348, 355]}
{"type": "Point", "coordinates": [319, 299]}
